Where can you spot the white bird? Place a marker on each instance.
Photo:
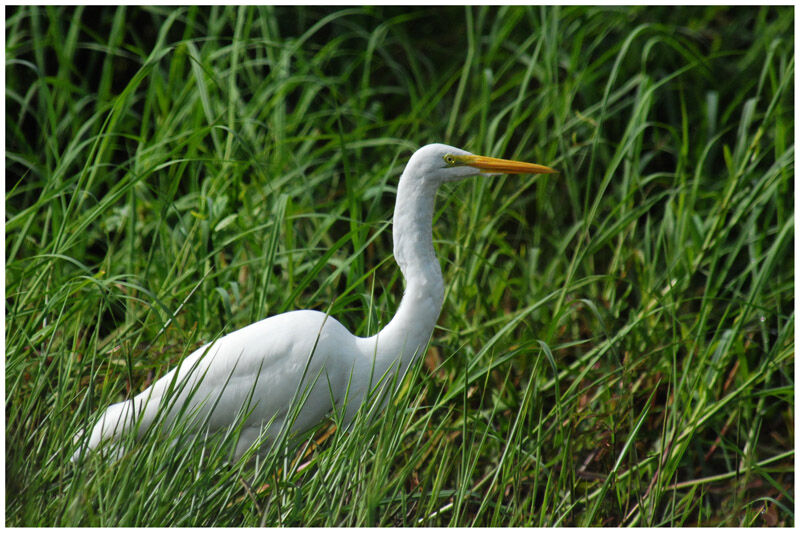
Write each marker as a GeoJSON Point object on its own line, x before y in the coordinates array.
{"type": "Point", "coordinates": [260, 370]}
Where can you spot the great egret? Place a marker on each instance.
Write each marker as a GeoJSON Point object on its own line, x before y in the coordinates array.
{"type": "Point", "coordinates": [260, 368]}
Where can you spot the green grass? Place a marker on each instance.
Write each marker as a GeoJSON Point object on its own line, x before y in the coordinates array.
{"type": "Point", "coordinates": [616, 345]}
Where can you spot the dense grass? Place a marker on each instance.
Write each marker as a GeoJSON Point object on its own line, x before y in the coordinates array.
{"type": "Point", "coordinates": [616, 345]}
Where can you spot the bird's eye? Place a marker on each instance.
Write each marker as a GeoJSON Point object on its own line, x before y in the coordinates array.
{"type": "Point", "coordinates": [450, 160]}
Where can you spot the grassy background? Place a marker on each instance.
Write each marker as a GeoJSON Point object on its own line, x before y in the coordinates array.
{"type": "Point", "coordinates": [616, 345]}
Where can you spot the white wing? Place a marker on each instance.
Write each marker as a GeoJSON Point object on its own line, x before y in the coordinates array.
{"type": "Point", "coordinates": [258, 369]}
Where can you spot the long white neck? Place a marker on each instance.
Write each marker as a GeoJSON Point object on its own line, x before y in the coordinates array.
{"type": "Point", "coordinates": [405, 337]}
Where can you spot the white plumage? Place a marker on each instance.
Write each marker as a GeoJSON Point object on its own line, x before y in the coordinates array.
{"type": "Point", "coordinates": [262, 368]}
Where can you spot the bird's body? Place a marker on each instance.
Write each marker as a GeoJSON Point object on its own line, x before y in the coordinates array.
{"type": "Point", "coordinates": [308, 356]}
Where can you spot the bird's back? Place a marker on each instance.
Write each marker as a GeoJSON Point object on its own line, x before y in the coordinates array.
{"type": "Point", "coordinates": [250, 372]}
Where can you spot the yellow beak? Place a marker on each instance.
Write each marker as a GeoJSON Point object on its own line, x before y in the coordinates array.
{"type": "Point", "coordinates": [504, 166]}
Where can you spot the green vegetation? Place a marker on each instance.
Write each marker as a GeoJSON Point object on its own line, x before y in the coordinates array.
{"type": "Point", "coordinates": [616, 345]}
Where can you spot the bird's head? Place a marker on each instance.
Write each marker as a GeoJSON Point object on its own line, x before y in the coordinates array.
{"type": "Point", "coordinates": [440, 162]}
